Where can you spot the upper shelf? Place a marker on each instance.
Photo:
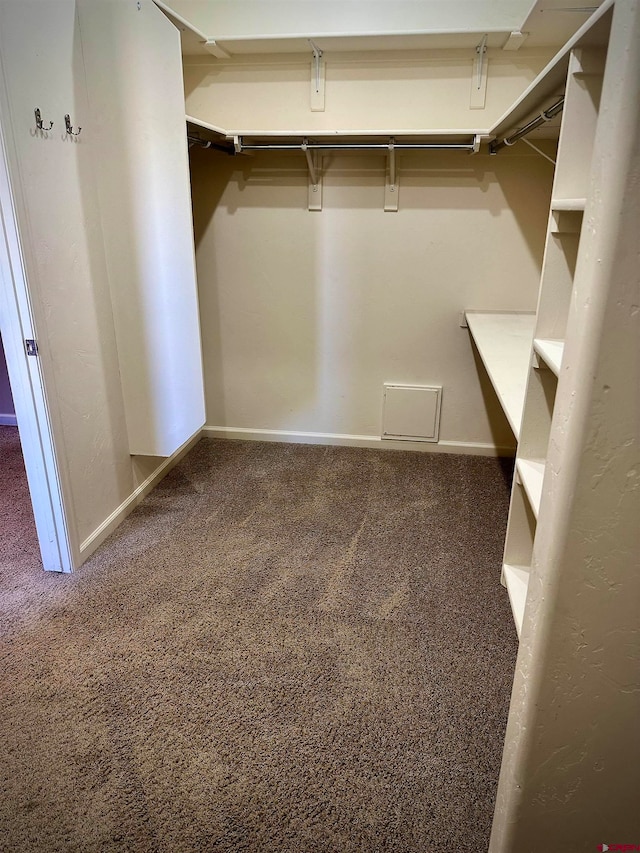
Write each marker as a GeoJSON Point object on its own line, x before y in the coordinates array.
{"type": "Point", "coordinates": [551, 80]}
{"type": "Point", "coordinates": [504, 342]}
{"type": "Point", "coordinates": [197, 43]}
{"type": "Point", "coordinates": [398, 27]}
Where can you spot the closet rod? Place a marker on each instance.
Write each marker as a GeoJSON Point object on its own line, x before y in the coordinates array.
{"type": "Point", "coordinates": [205, 143]}
{"type": "Point", "coordinates": [357, 146]}
{"type": "Point", "coordinates": [545, 115]}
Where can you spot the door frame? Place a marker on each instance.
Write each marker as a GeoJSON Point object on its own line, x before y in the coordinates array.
{"type": "Point", "coordinates": [26, 379]}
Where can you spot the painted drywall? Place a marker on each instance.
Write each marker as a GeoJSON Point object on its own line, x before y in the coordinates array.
{"type": "Point", "coordinates": [219, 18]}
{"type": "Point", "coordinates": [390, 91]}
{"type": "Point", "coordinates": [305, 315]}
{"type": "Point", "coordinates": [571, 767]}
{"type": "Point", "coordinates": [7, 410]}
{"type": "Point", "coordinates": [58, 213]}
{"type": "Point", "coordinates": [145, 208]}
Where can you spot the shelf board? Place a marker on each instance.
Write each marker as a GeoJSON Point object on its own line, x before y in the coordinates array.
{"type": "Point", "coordinates": [205, 125]}
{"type": "Point", "coordinates": [568, 203]}
{"type": "Point", "coordinates": [504, 342]}
{"type": "Point", "coordinates": [517, 582]}
{"type": "Point", "coordinates": [531, 476]}
{"type": "Point", "coordinates": [550, 351]}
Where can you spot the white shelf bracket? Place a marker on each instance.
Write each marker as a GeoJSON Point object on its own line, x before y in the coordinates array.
{"type": "Point", "coordinates": [317, 79]}
{"type": "Point", "coordinates": [477, 139]}
{"type": "Point", "coordinates": [515, 41]}
{"type": "Point", "coordinates": [212, 47]}
{"type": "Point", "coordinates": [391, 188]}
{"type": "Point", "coordinates": [237, 145]}
{"type": "Point", "coordinates": [479, 76]}
{"type": "Point", "coordinates": [314, 165]}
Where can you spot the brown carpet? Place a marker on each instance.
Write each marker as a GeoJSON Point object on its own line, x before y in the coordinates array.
{"type": "Point", "coordinates": [285, 648]}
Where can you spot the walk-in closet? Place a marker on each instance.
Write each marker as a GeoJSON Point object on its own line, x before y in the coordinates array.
{"type": "Point", "coordinates": [324, 320]}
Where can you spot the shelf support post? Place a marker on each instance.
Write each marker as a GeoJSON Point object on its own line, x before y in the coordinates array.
{"type": "Point", "coordinates": [391, 183]}
{"type": "Point", "coordinates": [315, 179]}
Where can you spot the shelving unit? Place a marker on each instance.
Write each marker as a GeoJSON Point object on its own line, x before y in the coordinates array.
{"type": "Point", "coordinates": [523, 355]}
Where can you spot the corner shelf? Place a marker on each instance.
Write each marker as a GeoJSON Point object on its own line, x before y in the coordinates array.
{"type": "Point", "coordinates": [531, 473]}
{"type": "Point", "coordinates": [551, 352]}
{"type": "Point", "coordinates": [504, 340]}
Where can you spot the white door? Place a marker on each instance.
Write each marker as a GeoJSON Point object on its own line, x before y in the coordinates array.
{"type": "Point", "coordinates": [30, 404]}
{"type": "Point", "coordinates": [136, 98]}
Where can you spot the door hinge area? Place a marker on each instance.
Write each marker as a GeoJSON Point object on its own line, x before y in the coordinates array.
{"type": "Point", "coordinates": [31, 346]}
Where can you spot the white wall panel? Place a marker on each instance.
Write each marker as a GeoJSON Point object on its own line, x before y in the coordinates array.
{"type": "Point", "coordinates": [132, 58]}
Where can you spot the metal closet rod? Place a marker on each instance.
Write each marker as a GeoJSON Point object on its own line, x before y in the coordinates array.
{"type": "Point", "coordinates": [545, 115]}
{"type": "Point", "coordinates": [355, 146]}
{"type": "Point", "coordinates": [206, 143]}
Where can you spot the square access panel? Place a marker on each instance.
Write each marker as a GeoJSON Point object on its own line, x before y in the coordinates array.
{"type": "Point", "coordinates": [411, 412]}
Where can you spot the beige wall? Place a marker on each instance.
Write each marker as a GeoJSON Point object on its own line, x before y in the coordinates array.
{"type": "Point", "coordinates": [305, 314]}
{"type": "Point", "coordinates": [386, 91]}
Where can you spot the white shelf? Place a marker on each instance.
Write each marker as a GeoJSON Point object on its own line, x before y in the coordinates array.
{"type": "Point", "coordinates": [531, 476]}
{"type": "Point", "coordinates": [504, 342]}
{"type": "Point", "coordinates": [284, 43]}
{"type": "Point", "coordinates": [516, 580]}
{"type": "Point", "coordinates": [205, 125]}
{"type": "Point", "coordinates": [568, 203]}
{"type": "Point", "coordinates": [550, 352]}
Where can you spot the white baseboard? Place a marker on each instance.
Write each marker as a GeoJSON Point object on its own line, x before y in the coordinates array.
{"type": "Point", "coordinates": [291, 437]}
{"type": "Point", "coordinates": [137, 496]}
{"type": "Point", "coordinates": [8, 420]}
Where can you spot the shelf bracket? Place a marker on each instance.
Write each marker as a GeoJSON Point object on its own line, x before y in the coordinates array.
{"type": "Point", "coordinates": [314, 165]}
{"type": "Point", "coordinates": [317, 79]}
{"type": "Point", "coordinates": [515, 41]}
{"type": "Point", "coordinates": [391, 188]}
{"type": "Point", "coordinates": [212, 47]}
{"type": "Point", "coordinates": [479, 76]}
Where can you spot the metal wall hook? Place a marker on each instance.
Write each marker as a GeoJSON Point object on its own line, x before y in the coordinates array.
{"type": "Point", "coordinates": [70, 130]}
{"type": "Point", "coordinates": [39, 123]}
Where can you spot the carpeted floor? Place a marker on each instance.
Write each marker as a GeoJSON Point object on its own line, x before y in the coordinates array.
{"type": "Point", "coordinates": [285, 649]}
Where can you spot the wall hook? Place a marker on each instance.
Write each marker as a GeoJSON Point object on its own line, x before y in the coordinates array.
{"type": "Point", "coordinates": [70, 130]}
{"type": "Point", "coordinates": [39, 123]}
